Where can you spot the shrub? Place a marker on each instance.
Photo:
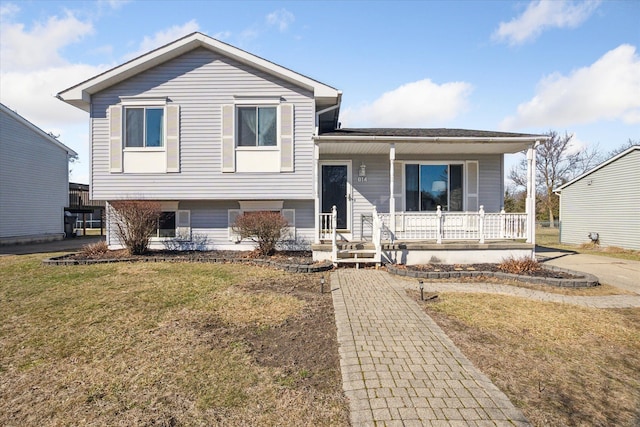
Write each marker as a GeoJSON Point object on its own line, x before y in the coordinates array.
{"type": "Point", "coordinates": [265, 228]}
{"type": "Point", "coordinates": [519, 265]}
{"type": "Point", "coordinates": [95, 250]}
{"type": "Point", "coordinates": [134, 222]}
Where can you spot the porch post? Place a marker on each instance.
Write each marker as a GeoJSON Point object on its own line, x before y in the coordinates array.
{"type": "Point", "coordinates": [316, 191]}
{"type": "Point", "coordinates": [392, 200]}
{"type": "Point", "coordinates": [532, 235]}
{"type": "Point", "coordinates": [531, 194]}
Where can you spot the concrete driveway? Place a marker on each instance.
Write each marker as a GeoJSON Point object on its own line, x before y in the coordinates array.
{"type": "Point", "coordinates": [70, 245]}
{"type": "Point", "coordinates": [616, 272]}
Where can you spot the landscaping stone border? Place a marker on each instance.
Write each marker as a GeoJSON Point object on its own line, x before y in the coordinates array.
{"type": "Point", "coordinates": [582, 280]}
{"type": "Point", "coordinates": [292, 268]}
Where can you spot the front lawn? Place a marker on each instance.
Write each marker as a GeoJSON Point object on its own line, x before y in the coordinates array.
{"type": "Point", "coordinates": [165, 344]}
{"type": "Point", "coordinates": [550, 238]}
{"type": "Point", "coordinates": [562, 365]}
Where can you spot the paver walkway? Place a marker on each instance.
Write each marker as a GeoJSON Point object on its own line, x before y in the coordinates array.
{"type": "Point", "coordinates": [399, 368]}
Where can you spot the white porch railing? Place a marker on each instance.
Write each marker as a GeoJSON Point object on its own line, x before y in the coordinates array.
{"type": "Point", "coordinates": [326, 226]}
{"type": "Point", "coordinates": [441, 226]}
{"type": "Point", "coordinates": [438, 226]}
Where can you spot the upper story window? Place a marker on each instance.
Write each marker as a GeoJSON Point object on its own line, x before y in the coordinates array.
{"type": "Point", "coordinates": [144, 127]}
{"type": "Point", "coordinates": [257, 126]}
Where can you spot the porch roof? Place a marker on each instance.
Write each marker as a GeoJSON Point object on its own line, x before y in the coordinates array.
{"type": "Point", "coordinates": [424, 141]}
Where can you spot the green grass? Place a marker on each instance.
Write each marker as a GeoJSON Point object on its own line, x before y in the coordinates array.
{"type": "Point", "coordinates": [143, 344]}
{"type": "Point", "coordinates": [550, 238]}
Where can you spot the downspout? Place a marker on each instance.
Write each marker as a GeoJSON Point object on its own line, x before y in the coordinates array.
{"type": "Point", "coordinates": [326, 110]}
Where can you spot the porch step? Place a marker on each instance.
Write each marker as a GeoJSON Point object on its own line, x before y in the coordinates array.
{"type": "Point", "coordinates": [357, 257]}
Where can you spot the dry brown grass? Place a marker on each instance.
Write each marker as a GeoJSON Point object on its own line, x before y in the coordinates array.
{"type": "Point", "coordinates": [95, 250]}
{"type": "Point", "coordinates": [562, 365]}
{"type": "Point", "coordinates": [157, 344]}
{"type": "Point", "coordinates": [550, 238]}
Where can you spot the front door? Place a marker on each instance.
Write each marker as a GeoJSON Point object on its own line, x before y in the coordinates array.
{"type": "Point", "coordinates": [336, 192]}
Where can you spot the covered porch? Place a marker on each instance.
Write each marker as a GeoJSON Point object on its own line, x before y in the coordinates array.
{"type": "Point", "coordinates": [419, 195]}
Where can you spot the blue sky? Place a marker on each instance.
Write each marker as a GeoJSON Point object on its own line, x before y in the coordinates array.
{"type": "Point", "coordinates": [529, 66]}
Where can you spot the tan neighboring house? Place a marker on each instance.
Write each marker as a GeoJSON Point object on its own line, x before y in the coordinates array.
{"type": "Point", "coordinates": [34, 181]}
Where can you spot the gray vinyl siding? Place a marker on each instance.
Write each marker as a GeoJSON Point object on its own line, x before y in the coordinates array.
{"type": "Point", "coordinates": [34, 183]}
{"type": "Point", "coordinates": [375, 191]}
{"type": "Point", "coordinates": [209, 223]}
{"type": "Point", "coordinates": [200, 82]}
{"type": "Point", "coordinates": [607, 202]}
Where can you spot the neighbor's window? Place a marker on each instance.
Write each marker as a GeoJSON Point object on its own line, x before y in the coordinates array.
{"type": "Point", "coordinates": [166, 225]}
{"type": "Point", "coordinates": [257, 126]}
{"type": "Point", "coordinates": [144, 127]}
{"type": "Point", "coordinates": [430, 185]}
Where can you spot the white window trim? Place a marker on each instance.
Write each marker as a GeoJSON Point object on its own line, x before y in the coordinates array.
{"type": "Point", "coordinates": [257, 100]}
{"type": "Point", "coordinates": [257, 103]}
{"type": "Point", "coordinates": [435, 162]}
{"type": "Point", "coordinates": [259, 206]}
{"type": "Point", "coordinates": [124, 127]}
{"type": "Point", "coordinates": [140, 101]}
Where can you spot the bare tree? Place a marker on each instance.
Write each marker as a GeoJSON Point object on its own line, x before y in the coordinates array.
{"type": "Point", "coordinates": [555, 165]}
{"type": "Point", "coordinates": [630, 143]}
{"type": "Point", "coordinates": [134, 222]}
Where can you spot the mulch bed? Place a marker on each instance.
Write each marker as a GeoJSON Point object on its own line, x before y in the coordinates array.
{"type": "Point", "coordinates": [494, 268]}
{"type": "Point", "coordinates": [292, 257]}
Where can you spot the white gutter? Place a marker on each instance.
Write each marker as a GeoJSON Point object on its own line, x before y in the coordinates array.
{"type": "Point", "coordinates": [378, 138]}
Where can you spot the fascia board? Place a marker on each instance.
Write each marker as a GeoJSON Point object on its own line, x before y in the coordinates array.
{"type": "Point", "coordinates": [80, 94]}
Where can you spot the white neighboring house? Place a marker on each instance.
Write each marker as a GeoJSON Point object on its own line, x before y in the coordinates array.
{"type": "Point", "coordinates": [212, 131]}
{"type": "Point", "coordinates": [34, 181]}
{"type": "Point", "coordinates": [604, 200]}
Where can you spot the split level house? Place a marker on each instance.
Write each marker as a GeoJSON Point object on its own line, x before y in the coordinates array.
{"type": "Point", "coordinates": [212, 131]}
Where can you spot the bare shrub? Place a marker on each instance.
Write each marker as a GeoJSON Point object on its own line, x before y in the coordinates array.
{"type": "Point", "coordinates": [134, 222]}
{"type": "Point", "coordinates": [265, 228]}
{"type": "Point", "coordinates": [95, 250]}
{"type": "Point", "coordinates": [519, 265]}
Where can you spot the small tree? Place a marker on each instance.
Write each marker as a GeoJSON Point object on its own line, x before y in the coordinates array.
{"type": "Point", "coordinates": [134, 222]}
{"type": "Point", "coordinates": [556, 164]}
{"type": "Point", "coordinates": [265, 228]}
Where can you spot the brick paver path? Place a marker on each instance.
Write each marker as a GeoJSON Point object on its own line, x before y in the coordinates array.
{"type": "Point", "coordinates": [399, 368]}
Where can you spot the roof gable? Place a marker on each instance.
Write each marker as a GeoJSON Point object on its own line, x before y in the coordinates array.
{"type": "Point", "coordinates": [600, 166]}
{"type": "Point", "coordinates": [18, 118]}
{"type": "Point", "coordinates": [80, 94]}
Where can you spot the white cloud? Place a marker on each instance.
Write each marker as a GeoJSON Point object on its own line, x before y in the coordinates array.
{"type": "Point", "coordinates": [280, 18]}
{"type": "Point", "coordinates": [541, 15]}
{"type": "Point", "coordinates": [113, 4]}
{"type": "Point", "coordinates": [8, 10]}
{"type": "Point", "coordinates": [609, 89]}
{"type": "Point", "coordinates": [163, 37]}
{"type": "Point", "coordinates": [416, 104]}
{"type": "Point", "coordinates": [23, 50]}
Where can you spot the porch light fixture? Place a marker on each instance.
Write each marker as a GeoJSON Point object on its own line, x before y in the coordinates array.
{"type": "Point", "coordinates": [362, 170]}
{"type": "Point", "coordinates": [421, 285]}
{"type": "Point", "coordinates": [321, 284]}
